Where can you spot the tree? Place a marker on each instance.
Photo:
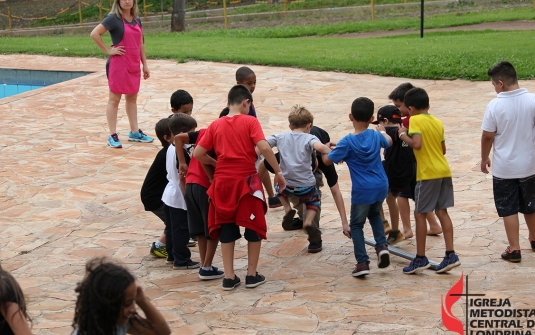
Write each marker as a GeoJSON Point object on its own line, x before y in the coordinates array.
{"type": "Point", "coordinates": [178, 16]}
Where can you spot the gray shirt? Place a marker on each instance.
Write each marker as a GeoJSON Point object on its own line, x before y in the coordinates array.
{"type": "Point", "coordinates": [116, 27]}
{"type": "Point", "coordinates": [295, 157]}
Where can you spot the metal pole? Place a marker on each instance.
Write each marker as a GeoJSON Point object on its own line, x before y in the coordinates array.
{"type": "Point", "coordinates": [144, 10]}
{"type": "Point", "coordinates": [80, 11]}
{"type": "Point", "coordinates": [400, 252]}
{"type": "Point", "coordinates": [9, 17]}
{"type": "Point", "coordinates": [373, 10]}
{"type": "Point", "coordinates": [422, 19]}
{"type": "Point", "coordinates": [225, 13]}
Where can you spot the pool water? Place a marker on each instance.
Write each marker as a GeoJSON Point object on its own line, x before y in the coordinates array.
{"type": "Point", "coordinates": [7, 90]}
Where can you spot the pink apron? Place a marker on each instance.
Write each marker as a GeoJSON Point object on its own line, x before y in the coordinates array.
{"type": "Point", "coordinates": [124, 73]}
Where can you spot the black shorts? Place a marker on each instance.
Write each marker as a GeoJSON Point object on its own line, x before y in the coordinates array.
{"type": "Point", "coordinates": [230, 232]}
{"type": "Point", "coordinates": [197, 202]}
{"type": "Point", "coordinates": [409, 191]}
{"type": "Point", "coordinates": [512, 196]}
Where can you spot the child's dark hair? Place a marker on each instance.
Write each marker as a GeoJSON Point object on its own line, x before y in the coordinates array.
{"type": "Point", "coordinates": [180, 98]}
{"type": "Point", "coordinates": [10, 292]}
{"type": "Point", "coordinates": [362, 109]}
{"type": "Point", "coordinates": [100, 297]}
{"type": "Point", "coordinates": [417, 98]}
{"type": "Point", "coordinates": [181, 123]}
{"type": "Point", "coordinates": [242, 73]}
{"type": "Point", "coordinates": [162, 129]}
{"type": "Point", "coordinates": [505, 72]}
{"type": "Point", "coordinates": [299, 117]}
{"type": "Point", "coordinates": [399, 92]}
{"type": "Point", "coordinates": [237, 94]}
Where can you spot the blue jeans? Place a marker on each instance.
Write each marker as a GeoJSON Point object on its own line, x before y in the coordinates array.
{"type": "Point", "coordinates": [356, 225]}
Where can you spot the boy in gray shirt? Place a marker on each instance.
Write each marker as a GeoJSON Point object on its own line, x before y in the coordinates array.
{"type": "Point", "coordinates": [296, 150]}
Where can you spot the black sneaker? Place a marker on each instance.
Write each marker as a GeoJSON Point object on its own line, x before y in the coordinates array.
{"type": "Point", "coordinates": [288, 219]}
{"type": "Point", "coordinates": [314, 247]}
{"type": "Point", "coordinates": [254, 281]}
{"type": "Point", "coordinates": [383, 257]}
{"type": "Point", "coordinates": [213, 273]}
{"type": "Point", "coordinates": [230, 284]}
{"type": "Point", "coordinates": [512, 255]}
{"type": "Point", "coordinates": [189, 265]}
{"type": "Point", "coordinates": [532, 244]}
{"type": "Point", "coordinates": [274, 202]}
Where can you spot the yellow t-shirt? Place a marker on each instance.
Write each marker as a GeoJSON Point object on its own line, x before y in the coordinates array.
{"type": "Point", "coordinates": [430, 161]}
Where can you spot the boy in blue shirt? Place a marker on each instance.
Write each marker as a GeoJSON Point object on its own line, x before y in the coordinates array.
{"type": "Point", "coordinates": [362, 153]}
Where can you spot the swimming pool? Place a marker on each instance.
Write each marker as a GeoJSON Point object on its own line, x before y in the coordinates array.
{"type": "Point", "coordinates": [16, 81]}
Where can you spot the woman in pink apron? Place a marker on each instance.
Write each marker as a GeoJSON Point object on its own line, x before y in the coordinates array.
{"type": "Point", "coordinates": [122, 68]}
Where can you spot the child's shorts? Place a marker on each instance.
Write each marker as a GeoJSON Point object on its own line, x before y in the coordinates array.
{"type": "Point", "coordinates": [198, 203]}
{"type": "Point", "coordinates": [433, 195]}
{"type": "Point", "coordinates": [512, 196]}
{"type": "Point", "coordinates": [230, 232]}
{"type": "Point", "coordinates": [308, 195]}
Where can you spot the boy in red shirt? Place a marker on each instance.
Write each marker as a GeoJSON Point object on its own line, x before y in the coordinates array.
{"type": "Point", "coordinates": [236, 194]}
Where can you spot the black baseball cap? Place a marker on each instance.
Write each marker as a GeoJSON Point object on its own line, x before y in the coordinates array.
{"type": "Point", "coordinates": [389, 112]}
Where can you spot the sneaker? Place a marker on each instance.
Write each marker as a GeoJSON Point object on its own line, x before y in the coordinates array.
{"type": "Point", "coordinates": [113, 141]}
{"type": "Point", "coordinates": [274, 202]}
{"type": "Point", "coordinates": [314, 247]}
{"type": "Point", "coordinates": [213, 273]}
{"type": "Point", "coordinates": [287, 220]}
{"type": "Point", "coordinates": [297, 224]}
{"type": "Point", "coordinates": [139, 136]}
{"type": "Point", "coordinates": [361, 269]}
{"type": "Point", "coordinates": [532, 244]}
{"type": "Point", "coordinates": [158, 252]}
{"type": "Point", "coordinates": [189, 265]}
{"type": "Point", "coordinates": [192, 243]}
{"type": "Point", "coordinates": [387, 227]}
{"type": "Point", "coordinates": [512, 255]}
{"type": "Point", "coordinates": [417, 264]}
{"type": "Point", "coordinates": [383, 257]}
{"type": "Point", "coordinates": [254, 281]}
{"type": "Point", "coordinates": [448, 263]}
{"type": "Point", "coordinates": [169, 259]}
{"type": "Point", "coordinates": [394, 237]}
{"type": "Point", "coordinates": [230, 284]}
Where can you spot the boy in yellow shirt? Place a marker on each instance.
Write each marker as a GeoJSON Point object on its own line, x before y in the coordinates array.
{"type": "Point", "coordinates": [434, 188]}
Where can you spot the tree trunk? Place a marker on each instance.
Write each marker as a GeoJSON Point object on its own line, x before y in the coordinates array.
{"type": "Point", "coordinates": [178, 17]}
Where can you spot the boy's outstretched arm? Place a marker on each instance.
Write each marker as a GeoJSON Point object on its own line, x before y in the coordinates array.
{"type": "Point", "coordinates": [180, 140]}
{"type": "Point", "coordinates": [265, 149]}
{"type": "Point", "coordinates": [414, 142]}
{"type": "Point", "coordinates": [325, 150]}
{"type": "Point", "coordinates": [380, 128]}
{"type": "Point", "coordinates": [487, 139]}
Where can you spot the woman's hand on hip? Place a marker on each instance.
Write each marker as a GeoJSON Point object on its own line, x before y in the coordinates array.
{"type": "Point", "coordinates": [146, 72]}
{"type": "Point", "coordinates": [114, 51]}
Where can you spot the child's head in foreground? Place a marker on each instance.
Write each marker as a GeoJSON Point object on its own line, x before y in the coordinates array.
{"type": "Point", "coordinates": [300, 117]}
{"type": "Point", "coordinates": [106, 298]}
{"type": "Point", "coordinates": [417, 101]}
{"type": "Point", "coordinates": [362, 110]}
{"type": "Point", "coordinates": [237, 97]}
{"type": "Point", "coordinates": [10, 292]}
{"type": "Point", "coordinates": [163, 132]}
{"type": "Point", "coordinates": [181, 102]}
{"type": "Point", "coordinates": [503, 75]}
{"type": "Point", "coordinates": [245, 76]}
{"type": "Point", "coordinates": [181, 123]}
{"type": "Point", "coordinates": [398, 97]}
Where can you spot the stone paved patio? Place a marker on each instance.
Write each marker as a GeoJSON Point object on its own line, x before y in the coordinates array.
{"type": "Point", "coordinates": [66, 197]}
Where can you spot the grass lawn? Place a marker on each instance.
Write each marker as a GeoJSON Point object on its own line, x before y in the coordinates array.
{"type": "Point", "coordinates": [451, 55]}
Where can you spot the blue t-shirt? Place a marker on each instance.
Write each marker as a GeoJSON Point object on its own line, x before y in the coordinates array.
{"type": "Point", "coordinates": [362, 154]}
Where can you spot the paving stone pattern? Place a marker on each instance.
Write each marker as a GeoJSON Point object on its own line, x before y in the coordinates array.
{"type": "Point", "coordinates": [65, 197]}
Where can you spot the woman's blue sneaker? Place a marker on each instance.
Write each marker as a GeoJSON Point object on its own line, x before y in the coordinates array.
{"type": "Point", "coordinates": [448, 263]}
{"type": "Point", "coordinates": [113, 141]}
{"type": "Point", "coordinates": [139, 136]}
{"type": "Point", "coordinates": [417, 264]}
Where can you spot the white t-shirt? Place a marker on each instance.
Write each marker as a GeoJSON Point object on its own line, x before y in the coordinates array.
{"type": "Point", "coordinates": [512, 117]}
{"type": "Point", "coordinates": [295, 157]}
{"type": "Point", "coordinates": [172, 195]}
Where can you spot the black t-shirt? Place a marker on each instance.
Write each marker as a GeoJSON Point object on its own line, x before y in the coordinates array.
{"type": "Point", "coordinates": [5, 329]}
{"type": "Point", "coordinates": [155, 183]}
{"type": "Point", "coordinates": [399, 161]}
{"type": "Point", "coordinates": [116, 27]}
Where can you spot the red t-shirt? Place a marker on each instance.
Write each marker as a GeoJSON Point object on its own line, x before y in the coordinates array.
{"type": "Point", "coordinates": [196, 174]}
{"type": "Point", "coordinates": [233, 140]}
{"type": "Point", "coordinates": [405, 121]}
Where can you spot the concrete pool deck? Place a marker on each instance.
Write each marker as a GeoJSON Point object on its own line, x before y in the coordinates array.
{"type": "Point", "coordinates": [66, 197]}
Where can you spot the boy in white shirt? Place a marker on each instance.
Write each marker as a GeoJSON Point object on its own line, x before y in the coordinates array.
{"type": "Point", "coordinates": [509, 126]}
